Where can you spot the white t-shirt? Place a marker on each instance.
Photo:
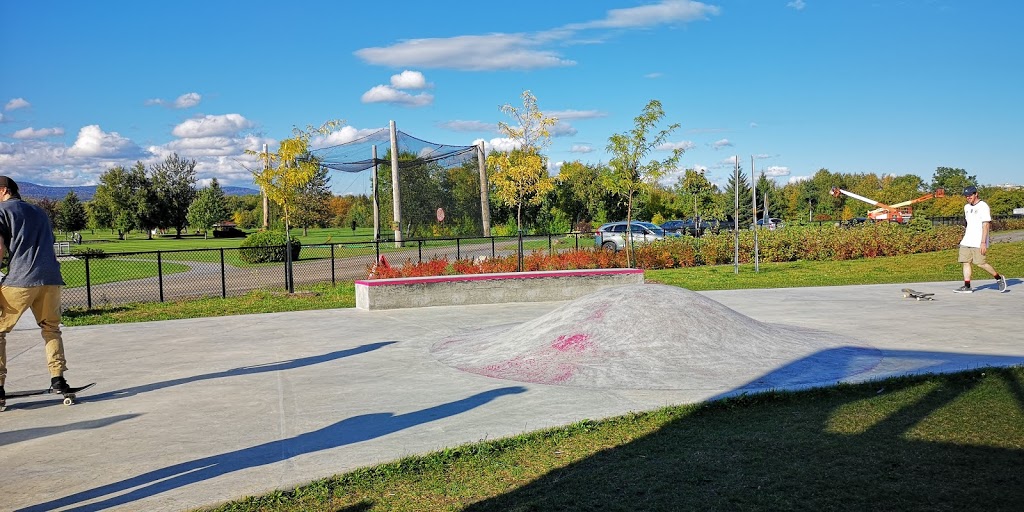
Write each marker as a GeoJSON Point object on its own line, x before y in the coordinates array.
{"type": "Point", "coordinates": [975, 215]}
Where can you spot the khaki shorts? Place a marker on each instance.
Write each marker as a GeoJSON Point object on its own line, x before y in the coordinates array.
{"type": "Point", "coordinates": [971, 255]}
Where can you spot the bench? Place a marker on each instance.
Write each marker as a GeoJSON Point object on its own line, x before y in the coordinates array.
{"type": "Point", "coordinates": [538, 286]}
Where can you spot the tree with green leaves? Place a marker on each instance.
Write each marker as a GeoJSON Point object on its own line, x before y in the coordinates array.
{"type": "Point", "coordinates": [208, 208]}
{"type": "Point", "coordinates": [695, 190]}
{"type": "Point", "coordinates": [727, 200]}
{"type": "Point", "coordinates": [287, 171]}
{"type": "Point", "coordinates": [312, 204]}
{"type": "Point", "coordinates": [953, 180]}
{"type": "Point", "coordinates": [173, 185]}
{"type": "Point", "coordinates": [71, 214]}
{"type": "Point", "coordinates": [520, 176]}
{"type": "Point", "coordinates": [629, 171]}
{"type": "Point", "coordinates": [117, 198]}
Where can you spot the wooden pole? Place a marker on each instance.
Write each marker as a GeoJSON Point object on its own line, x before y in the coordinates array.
{"type": "Point", "coordinates": [395, 194]}
{"type": "Point", "coordinates": [376, 203]}
{"type": "Point", "coordinates": [485, 204]}
{"type": "Point", "coordinates": [736, 216]}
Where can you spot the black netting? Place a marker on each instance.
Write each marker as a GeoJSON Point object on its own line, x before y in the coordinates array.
{"type": "Point", "coordinates": [356, 156]}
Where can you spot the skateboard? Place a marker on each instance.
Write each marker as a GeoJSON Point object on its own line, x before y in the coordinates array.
{"type": "Point", "coordinates": [914, 294]}
{"type": "Point", "coordinates": [69, 397]}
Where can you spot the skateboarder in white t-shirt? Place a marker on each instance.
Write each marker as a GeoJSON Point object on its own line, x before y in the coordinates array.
{"type": "Point", "coordinates": [974, 245]}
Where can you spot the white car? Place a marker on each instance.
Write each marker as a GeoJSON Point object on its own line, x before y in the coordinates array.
{"type": "Point", "coordinates": [611, 236]}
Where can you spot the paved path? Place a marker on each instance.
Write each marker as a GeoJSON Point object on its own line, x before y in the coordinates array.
{"type": "Point", "coordinates": [194, 412]}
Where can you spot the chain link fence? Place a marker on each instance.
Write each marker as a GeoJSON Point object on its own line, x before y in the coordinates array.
{"type": "Point", "coordinates": [109, 279]}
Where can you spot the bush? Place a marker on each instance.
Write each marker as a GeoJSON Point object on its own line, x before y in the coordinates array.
{"type": "Point", "coordinates": [231, 232]}
{"type": "Point", "coordinates": [266, 247]}
{"type": "Point", "coordinates": [88, 252]}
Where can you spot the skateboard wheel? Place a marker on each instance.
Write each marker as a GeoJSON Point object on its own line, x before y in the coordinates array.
{"type": "Point", "coordinates": [69, 401]}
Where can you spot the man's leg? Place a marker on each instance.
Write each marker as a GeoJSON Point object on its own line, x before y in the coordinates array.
{"type": "Point", "coordinates": [967, 272]}
{"type": "Point", "coordinates": [13, 302]}
{"type": "Point", "coordinates": [46, 308]}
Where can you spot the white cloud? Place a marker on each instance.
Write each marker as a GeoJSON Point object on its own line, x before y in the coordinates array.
{"type": "Point", "coordinates": [662, 13]}
{"type": "Point", "coordinates": [796, 4]}
{"type": "Point", "coordinates": [6, 148]}
{"type": "Point", "coordinates": [653, 75]}
{"type": "Point", "coordinates": [468, 53]}
{"type": "Point", "coordinates": [684, 145]}
{"type": "Point", "coordinates": [581, 148]}
{"type": "Point", "coordinates": [188, 100]}
{"type": "Point", "coordinates": [753, 124]}
{"type": "Point", "coordinates": [154, 101]}
{"type": "Point", "coordinates": [798, 179]}
{"type": "Point", "coordinates": [17, 103]}
{"type": "Point", "coordinates": [774, 171]}
{"type": "Point", "coordinates": [562, 129]}
{"type": "Point", "coordinates": [42, 133]}
{"type": "Point", "coordinates": [212, 126]}
{"type": "Point", "coordinates": [388, 94]}
{"type": "Point", "coordinates": [721, 143]}
{"type": "Point", "coordinates": [501, 144]}
{"type": "Point", "coordinates": [409, 80]}
{"type": "Point", "coordinates": [341, 136]}
{"type": "Point", "coordinates": [1, 117]}
{"type": "Point", "coordinates": [563, 115]}
{"type": "Point", "coordinates": [94, 142]}
{"type": "Point", "coordinates": [468, 126]}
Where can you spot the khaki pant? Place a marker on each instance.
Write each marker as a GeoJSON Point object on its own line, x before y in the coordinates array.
{"type": "Point", "coordinates": [44, 301]}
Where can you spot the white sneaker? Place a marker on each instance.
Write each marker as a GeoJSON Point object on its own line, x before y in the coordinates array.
{"type": "Point", "coordinates": [1002, 284]}
{"type": "Point", "coordinates": [964, 289]}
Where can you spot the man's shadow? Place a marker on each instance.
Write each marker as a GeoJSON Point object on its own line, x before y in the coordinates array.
{"type": "Point", "coordinates": [290, 364]}
{"type": "Point", "coordinates": [345, 432]}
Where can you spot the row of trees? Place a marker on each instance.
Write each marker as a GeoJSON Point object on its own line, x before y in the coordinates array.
{"type": "Point", "coordinates": [523, 196]}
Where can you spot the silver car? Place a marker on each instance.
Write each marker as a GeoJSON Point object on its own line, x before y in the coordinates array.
{"type": "Point", "coordinates": [611, 236]}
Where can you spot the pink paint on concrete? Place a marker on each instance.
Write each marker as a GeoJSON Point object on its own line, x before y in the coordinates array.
{"type": "Point", "coordinates": [573, 342]}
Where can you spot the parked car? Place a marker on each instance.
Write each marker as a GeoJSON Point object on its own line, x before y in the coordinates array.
{"type": "Point", "coordinates": [689, 227]}
{"type": "Point", "coordinates": [611, 236]}
{"type": "Point", "coordinates": [770, 223]}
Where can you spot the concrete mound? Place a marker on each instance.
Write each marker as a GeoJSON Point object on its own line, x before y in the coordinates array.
{"type": "Point", "coordinates": [654, 337]}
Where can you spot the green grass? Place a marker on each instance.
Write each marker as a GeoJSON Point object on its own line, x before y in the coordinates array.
{"type": "Point", "coordinates": [104, 270]}
{"type": "Point", "coordinates": [946, 442]}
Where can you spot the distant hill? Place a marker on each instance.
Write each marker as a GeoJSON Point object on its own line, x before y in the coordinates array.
{"type": "Point", "coordinates": [85, 193]}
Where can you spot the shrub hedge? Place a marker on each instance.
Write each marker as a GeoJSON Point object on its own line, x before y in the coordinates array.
{"type": "Point", "coordinates": [266, 247]}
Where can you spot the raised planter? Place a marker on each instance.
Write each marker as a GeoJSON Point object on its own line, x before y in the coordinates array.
{"type": "Point", "coordinates": [540, 286]}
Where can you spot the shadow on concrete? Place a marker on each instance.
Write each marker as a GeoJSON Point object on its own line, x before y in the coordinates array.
{"type": "Point", "coordinates": [290, 364]}
{"type": "Point", "coordinates": [774, 452]}
{"type": "Point", "coordinates": [345, 432]}
{"type": "Point", "coordinates": [17, 436]}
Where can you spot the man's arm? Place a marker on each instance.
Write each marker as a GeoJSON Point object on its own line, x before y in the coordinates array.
{"type": "Point", "coordinates": [984, 237]}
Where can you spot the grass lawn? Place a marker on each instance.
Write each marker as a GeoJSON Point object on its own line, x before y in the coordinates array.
{"type": "Point", "coordinates": [947, 442]}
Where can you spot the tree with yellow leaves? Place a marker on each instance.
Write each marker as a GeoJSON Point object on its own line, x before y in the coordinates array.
{"type": "Point", "coordinates": [520, 176]}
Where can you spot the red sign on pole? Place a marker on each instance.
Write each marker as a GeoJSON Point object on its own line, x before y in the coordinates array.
{"type": "Point", "coordinates": [440, 214]}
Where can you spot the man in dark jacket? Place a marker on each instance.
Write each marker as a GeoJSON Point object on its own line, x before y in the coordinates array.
{"type": "Point", "coordinates": [33, 279]}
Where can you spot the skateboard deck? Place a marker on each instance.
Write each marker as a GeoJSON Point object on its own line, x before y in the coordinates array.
{"type": "Point", "coordinates": [914, 294]}
{"type": "Point", "coordinates": [69, 397]}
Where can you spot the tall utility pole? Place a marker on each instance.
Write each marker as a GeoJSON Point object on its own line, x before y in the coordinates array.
{"type": "Point", "coordinates": [376, 204]}
{"type": "Point", "coordinates": [736, 215]}
{"type": "Point", "coordinates": [263, 191]}
{"type": "Point", "coordinates": [753, 201]}
{"type": "Point", "coordinates": [485, 204]}
{"type": "Point", "coordinates": [396, 197]}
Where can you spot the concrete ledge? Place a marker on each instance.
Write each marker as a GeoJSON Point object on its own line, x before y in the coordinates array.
{"type": "Point", "coordinates": [541, 286]}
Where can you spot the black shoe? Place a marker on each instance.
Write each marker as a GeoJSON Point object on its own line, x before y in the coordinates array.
{"type": "Point", "coordinates": [3, 394]}
{"type": "Point", "coordinates": [59, 385]}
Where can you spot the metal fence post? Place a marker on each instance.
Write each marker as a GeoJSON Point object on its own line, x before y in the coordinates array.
{"type": "Point", "coordinates": [88, 284]}
{"type": "Point", "coordinates": [458, 249]}
{"type": "Point", "coordinates": [160, 274]}
{"type": "Point", "coordinates": [223, 277]}
{"type": "Point", "coordinates": [493, 253]}
{"type": "Point", "coordinates": [332, 265]}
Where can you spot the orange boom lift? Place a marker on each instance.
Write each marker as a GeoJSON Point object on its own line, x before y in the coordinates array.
{"type": "Point", "coordinates": [899, 212]}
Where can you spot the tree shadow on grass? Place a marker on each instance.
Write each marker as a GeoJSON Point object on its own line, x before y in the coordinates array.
{"type": "Point", "coordinates": [345, 432]}
{"type": "Point", "coordinates": [852, 447]}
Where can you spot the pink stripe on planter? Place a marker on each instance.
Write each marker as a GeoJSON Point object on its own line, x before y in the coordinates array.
{"type": "Point", "coordinates": [503, 275]}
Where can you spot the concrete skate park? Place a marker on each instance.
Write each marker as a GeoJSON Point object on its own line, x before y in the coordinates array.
{"type": "Point", "coordinates": [190, 413]}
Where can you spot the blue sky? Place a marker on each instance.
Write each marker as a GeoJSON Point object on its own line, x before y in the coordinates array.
{"type": "Point", "coordinates": [890, 87]}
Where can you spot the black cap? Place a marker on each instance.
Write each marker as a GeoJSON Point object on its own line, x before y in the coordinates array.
{"type": "Point", "coordinates": [12, 187]}
{"type": "Point", "coordinates": [970, 190]}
